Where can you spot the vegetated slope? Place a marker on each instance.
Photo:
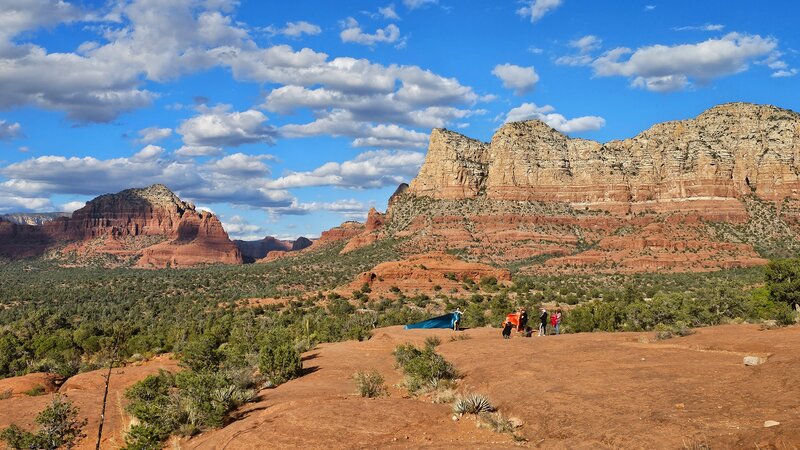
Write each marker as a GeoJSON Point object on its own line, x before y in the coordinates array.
{"type": "Point", "coordinates": [718, 191]}
{"type": "Point", "coordinates": [149, 227]}
{"type": "Point", "coordinates": [595, 390]}
{"type": "Point", "coordinates": [86, 392]}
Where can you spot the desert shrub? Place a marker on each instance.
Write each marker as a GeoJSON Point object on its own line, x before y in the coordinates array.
{"type": "Point", "coordinates": [422, 367]}
{"type": "Point", "coordinates": [460, 337]}
{"type": "Point", "coordinates": [35, 391]}
{"type": "Point", "coordinates": [432, 341]}
{"type": "Point", "coordinates": [202, 353]}
{"type": "Point", "coordinates": [472, 404]}
{"type": "Point", "coordinates": [58, 427]}
{"type": "Point", "coordinates": [280, 363]}
{"type": "Point", "coordinates": [370, 384]}
{"type": "Point", "coordinates": [496, 422]}
{"type": "Point", "coordinates": [783, 281]}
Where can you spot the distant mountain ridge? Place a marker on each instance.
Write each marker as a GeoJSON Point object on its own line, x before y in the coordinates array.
{"type": "Point", "coordinates": [258, 249]}
{"type": "Point", "coordinates": [34, 219]}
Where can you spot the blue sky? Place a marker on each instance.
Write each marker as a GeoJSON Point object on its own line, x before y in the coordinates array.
{"type": "Point", "coordinates": [287, 118]}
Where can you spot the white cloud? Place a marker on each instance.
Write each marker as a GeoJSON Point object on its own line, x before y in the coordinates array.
{"type": "Point", "coordinates": [296, 29]}
{"type": "Point", "coordinates": [388, 12]}
{"type": "Point", "coordinates": [706, 27]}
{"type": "Point", "coordinates": [370, 169]}
{"type": "Point", "coordinates": [23, 15]}
{"type": "Point", "coordinates": [198, 150]}
{"type": "Point", "coordinates": [10, 130]}
{"type": "Point", "coordinates": [240, 228]}
{"type": "Point", "coordinates": [71, 206]}
{"type": "Point", "coordinates": [218, 127]}
{"type": "Point", "coordinates": [149, 152]}
{"type": "Point", "coordinates": [586, 44]}
{"type": "Point", "coordinates": [649, 7]}
{"type": "Point", "coordinates": [222, 180]}
{"type": "Point", "coordinates": [547, 114]}
{"type": "Point", "coordinates": [153, 134]}
{"type": "Point", "coordinates": [239, 165]}
{"type": "Point", "coordinates": [536, 9]}
{"type": "Point", "coordinates": [341, 123]}
{"type": "Point", "coordinates": [520, 79]}
{"type": "Point", "coordinates": [784, 73]}
{"type": "Point", "coordinates": [414, 4]}
{"type": "Point", "coordinates": [353, 33]}
{"type": "Point", "coordinates": [664, 68]}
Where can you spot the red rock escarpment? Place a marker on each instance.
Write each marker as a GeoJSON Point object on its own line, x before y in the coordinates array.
{"type": "Point", "coordinates": [727, 152]}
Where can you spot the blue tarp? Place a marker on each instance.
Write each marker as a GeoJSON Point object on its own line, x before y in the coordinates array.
{"type": "Point", "coordinates": [445, 321]}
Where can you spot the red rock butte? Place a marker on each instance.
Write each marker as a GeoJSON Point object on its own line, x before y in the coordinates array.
{"type": "Point", "coordinates": [151, 224]}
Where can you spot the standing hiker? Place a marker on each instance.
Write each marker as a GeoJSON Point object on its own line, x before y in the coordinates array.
{"type": "Point", "coordinates": [557, 316]}
{"type": "Point", "coordinates": [523, 320]}
{"type": "Point", "coordinates": [554, 321]}
{"type": "Point", "coordinates": [457, 319]}
{"type": "Point", "coordinates": [543, 322]}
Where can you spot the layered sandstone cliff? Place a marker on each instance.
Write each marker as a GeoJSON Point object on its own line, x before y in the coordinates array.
{"type": "Point", "coordinates": [727, 152]}
{"type": "Point", "coordinates": [151, 224]}
{"type": "Point", "coordinates": [717, 191]}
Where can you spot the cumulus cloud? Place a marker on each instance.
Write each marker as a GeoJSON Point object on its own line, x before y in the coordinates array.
{"type": "Point", "coordinates": [587, 43]}
{"type": "Point", "coordinates": [536, 9]}
{"type": "Point", "coordinates": [585, 46]}
{"type": "Point", "coordinates": [221, 180]}
{"type": "Point", "coordinates": [71, 206]}
{"type": "Point", "coordinates": [238, 227]}
{"type": "Point", "coordinates": [520, 79]}
{"type": "Point", "coordinates": [372, 169]}
{"type": "Point", "coordinates": [388, 12]}
{"type": "Point", "coordinates": [353, 33]}
{"type": "Point", "coordinates": [219, 127]}
{"type": "Point", "coordinates": [547, 114]}
{"type": "Point", "coordinates": [153, 134]}
{"type": "Point", "coordinates": [148, 153]}
{"type": "Point", "coordinates": [10, 130]}
{"type": "Point", "coordinates": [667, 68]}
{"type": "Point", "coordinates": [296, 29]}
{"type": "Point", "coordinates": [341, 123]}
{"type": "Point", "coordinates": [154, 41]}
{"type": "Point", "coordinates": [24, 15]}
{"type": "Point", "coordinates": [783, 73]}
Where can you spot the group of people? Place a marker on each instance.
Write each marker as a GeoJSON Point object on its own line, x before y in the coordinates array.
{"type": "Point", "coordinates": [522, 323]}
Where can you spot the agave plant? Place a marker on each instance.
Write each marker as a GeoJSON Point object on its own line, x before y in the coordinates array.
{"type": "Point", "coordinates": [472, 404]}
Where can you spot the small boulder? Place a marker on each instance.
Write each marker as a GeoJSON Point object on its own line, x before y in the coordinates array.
{"type": "Point", "coordinates": [771, 423]}
{"type": "Point", "coordinates": [753, 360]}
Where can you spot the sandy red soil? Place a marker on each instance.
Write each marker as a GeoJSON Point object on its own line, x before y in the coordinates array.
{"type": "Point", "coordinates": [584, 391]}
{"type": "Point", "coordinates": [581, 391]}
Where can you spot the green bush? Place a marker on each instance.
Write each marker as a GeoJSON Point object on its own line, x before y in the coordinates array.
{"type": "Point", "coordinates": [370, 384]}
{"type": "Point", "coordinates": [422, 368]}
{"type": "Point", "coordinates": [58, 427]}
{"type": "Point", "coordinates": [280, 363]}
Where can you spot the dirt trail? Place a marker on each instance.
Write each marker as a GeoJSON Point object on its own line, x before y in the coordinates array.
{"type": "Point", "coordinates": [592, 390]}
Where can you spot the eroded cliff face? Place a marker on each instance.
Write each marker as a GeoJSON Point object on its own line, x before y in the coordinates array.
{"type": "Point", "coordinates": [727, 152]}
{"type": "Point", "coordinates": [718, 191]}
{"type": "Point", "coordinates": [455, 167]}
{"type": "Point", "coordinates": [150, 223]}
